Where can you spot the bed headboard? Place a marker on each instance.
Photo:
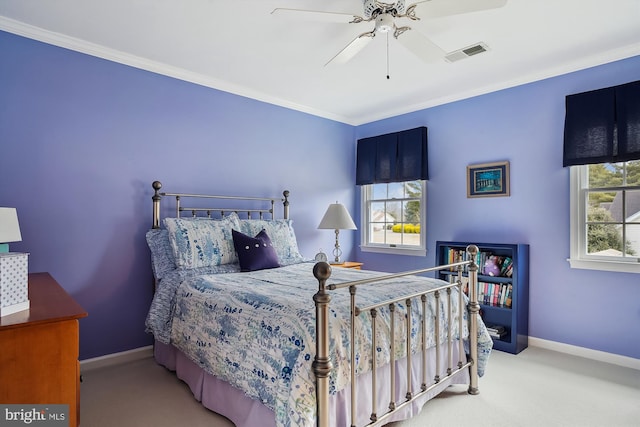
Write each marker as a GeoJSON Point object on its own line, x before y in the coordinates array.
{"type": "Point", "coordinates": [242, 205]}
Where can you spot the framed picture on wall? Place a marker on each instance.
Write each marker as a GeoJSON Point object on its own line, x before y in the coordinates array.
{"type": "Point", "coordinates": [488, 180]}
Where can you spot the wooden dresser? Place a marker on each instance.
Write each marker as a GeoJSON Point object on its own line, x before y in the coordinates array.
{"type": "Point", "coordinates": [39, 349]}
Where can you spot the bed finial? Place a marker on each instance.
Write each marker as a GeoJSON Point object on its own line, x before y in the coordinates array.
{"type": "Point", "coordinates": [322, 271]}
{"type": "Point", "coordinates": [157, 185]}
{"type": "Point", "coordinates": [473, 250]}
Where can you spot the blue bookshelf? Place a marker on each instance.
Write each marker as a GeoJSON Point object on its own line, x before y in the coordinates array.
{"type": "Point", "coordinates": [514, 318]}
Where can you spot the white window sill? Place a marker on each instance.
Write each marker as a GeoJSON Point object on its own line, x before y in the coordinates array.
{"type": "Point", "coordinates": [618, 266]}
{"type": "Point", "coordinates": [394, 251]}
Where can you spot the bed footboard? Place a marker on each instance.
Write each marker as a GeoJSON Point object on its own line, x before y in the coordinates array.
{"type": "Point", "coordinates": [322, 366]}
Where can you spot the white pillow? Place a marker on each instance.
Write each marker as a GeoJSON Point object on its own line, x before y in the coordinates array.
{"type": "Point", "coordinates": [202, 243]}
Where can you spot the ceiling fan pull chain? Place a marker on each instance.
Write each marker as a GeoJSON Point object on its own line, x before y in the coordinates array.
{"type": "Point", "coordinates": [387, 55]}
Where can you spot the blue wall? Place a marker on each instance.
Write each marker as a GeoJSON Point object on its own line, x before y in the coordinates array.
{"type": "Point", "coordinates": [82, 139]}
{"type": "Point", "coordinates": [523, 125]}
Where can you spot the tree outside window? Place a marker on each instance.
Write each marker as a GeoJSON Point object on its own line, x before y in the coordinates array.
{"type": "Point", "coordinates": [613, 209]}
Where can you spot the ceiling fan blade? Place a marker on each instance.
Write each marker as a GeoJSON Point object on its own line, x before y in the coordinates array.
{"type": "Point", "coordinates": [439, 8]}
{"type": "Point", "coordinates": [418, 44]}
{"type": "Point", "coordinates": [352, 48]}
{"type": "Point", "coordinates": [314, 15]}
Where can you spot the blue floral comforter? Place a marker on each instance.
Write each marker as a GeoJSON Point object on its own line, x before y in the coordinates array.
{"type": "Point", "coordinates": [255, 330]}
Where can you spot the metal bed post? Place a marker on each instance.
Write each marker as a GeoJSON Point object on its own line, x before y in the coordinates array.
{"type": "Point", "coordinates": [157, 185]}
{"type": "Point", "coordinates": [474, 309]}
{"type": "Point", "coordinates": [322, 363]}
{"type": "Point", "coordinates": [460, 317]}
{"type": "Point", "coordinates": [449, 327]}
{"type": "Point", "coordinates": [436, 294]}
{"type": "Point", "coordinates": [374, 387]}
{"type": "Point", "coordinates": [354, 390]}
{"type": "Point", "coordinates": [285, 203]}
{"type": "Point", "coordinates": [423, 298]}
{"type": "Point", "coordinates": [392, 363]}
{"type": "Point", "coordinates": [409, 393]}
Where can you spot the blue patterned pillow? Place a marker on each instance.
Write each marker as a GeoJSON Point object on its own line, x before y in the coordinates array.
{"type": "Point", "coordinates": [161, 252]}
{"type": "Point", "coordinates": [202, 243]}
{"type": "Point", "coordinates": [255, 253]}
{"type": "Point", "coordinates": [282, 236]}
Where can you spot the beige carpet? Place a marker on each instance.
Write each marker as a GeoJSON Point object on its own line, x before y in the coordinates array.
{"type": "Point", "coordinates": [537, 388]}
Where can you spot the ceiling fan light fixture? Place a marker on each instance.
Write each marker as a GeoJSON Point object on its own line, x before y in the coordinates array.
{"type": "Point", "coordinates": [372, 8]}
{"type": "Point", "coordinates": [384, 23]}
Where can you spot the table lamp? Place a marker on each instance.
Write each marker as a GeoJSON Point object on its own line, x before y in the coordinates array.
{"type": "Point", "coordinates": [14, 268]}
{"type": "Point", "coordinates": [9, 228]}
{"type": "Point", "coordinates": [337, 218]}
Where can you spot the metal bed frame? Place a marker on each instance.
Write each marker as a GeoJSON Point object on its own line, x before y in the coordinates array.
{"type": "Point", "coordinates": [322, 366]}
{"type": "Point", "coordinates": [157, 197]}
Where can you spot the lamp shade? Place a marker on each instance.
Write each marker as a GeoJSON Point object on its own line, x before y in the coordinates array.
{"type": "Point", "coordinates": [337, 218]}
{"type": "Point", "coordinates": [9, 227]}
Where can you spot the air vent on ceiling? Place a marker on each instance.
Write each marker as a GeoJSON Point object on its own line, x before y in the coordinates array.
{"type": "Point", "coordinates": [466, 52]}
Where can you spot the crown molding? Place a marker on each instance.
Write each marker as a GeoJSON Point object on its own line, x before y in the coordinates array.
{"type": "Point", "coordinates": [113, 55]}
{"type": "Point", "coordinates": [568, 67]}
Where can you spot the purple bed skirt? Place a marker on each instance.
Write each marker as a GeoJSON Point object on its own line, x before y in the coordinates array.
{"type": "Point", "coordinates": [224, 399]}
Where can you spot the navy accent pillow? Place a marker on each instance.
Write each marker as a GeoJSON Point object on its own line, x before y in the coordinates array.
{"type": "Point", "coordinates": [255, 253]}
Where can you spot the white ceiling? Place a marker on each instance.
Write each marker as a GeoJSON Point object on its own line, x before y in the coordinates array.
{"type": "Point", "coordinates": [240, 47]}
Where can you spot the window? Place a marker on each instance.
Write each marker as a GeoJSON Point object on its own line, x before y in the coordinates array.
{"type": "Point", "coordinates": [605, 216]}
{"type": "Point", "coordinates": [392, 170]}
{"type": "Point", "coordinates": [394, 217]}
{"type": "Point", "coordinates": [602, 147]}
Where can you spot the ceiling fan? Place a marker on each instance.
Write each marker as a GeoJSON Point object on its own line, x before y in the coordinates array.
{"type": "Point", "coordinates": [387, 18]}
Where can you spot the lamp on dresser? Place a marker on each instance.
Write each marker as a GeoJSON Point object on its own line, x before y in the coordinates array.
{"type": "Point", "coordinates": [14, 288]}
{"type": "Point", "coordinates": [9, 228]}
{"type": "Point", "coordinates": [337, 218]}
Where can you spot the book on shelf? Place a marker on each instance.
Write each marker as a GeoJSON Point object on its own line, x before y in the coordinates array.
{"type": "Point", "coordinates": [454, 255]}
{"type": "Point", "coordinates": [507, 264]}
{"type": "Point", "coordinates": [508, 297]}
{"type": "Point", "coordinates": [496, 294]}
{"type": "Point", "coordinates": [497, 336]}
{"type": "Point", "coordinates": [497, 331]}
{"type": "Point", "coordinates": [489, 264]}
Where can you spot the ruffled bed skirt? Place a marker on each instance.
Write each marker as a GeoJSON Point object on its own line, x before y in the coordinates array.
{"type": "Point", "coordinates": [224, 399]}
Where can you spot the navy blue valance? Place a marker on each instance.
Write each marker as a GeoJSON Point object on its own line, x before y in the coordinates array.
{"type": "Point", "coordinates": [603, 126]}
{"type": "Point", "coordinates": [394, 157]}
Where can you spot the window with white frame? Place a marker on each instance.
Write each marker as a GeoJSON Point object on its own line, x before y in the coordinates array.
{"type": "Point", "coordinates": [602, 148]}
{"type": "Point", "coordinates": [605, 217]}
{"type": "Point", "coordinates": [394, 217]}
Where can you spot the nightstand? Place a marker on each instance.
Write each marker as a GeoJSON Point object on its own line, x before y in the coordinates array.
{"type": "Point", "coordinates": [39, 349]}
{"type": "Point", "coordinates": [349, 264]}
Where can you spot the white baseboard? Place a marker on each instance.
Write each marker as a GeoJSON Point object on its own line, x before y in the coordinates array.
{"type": "Point", "coordinates": [601, 356]}
{"type": "Point", "coordinates": [117, 358]}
